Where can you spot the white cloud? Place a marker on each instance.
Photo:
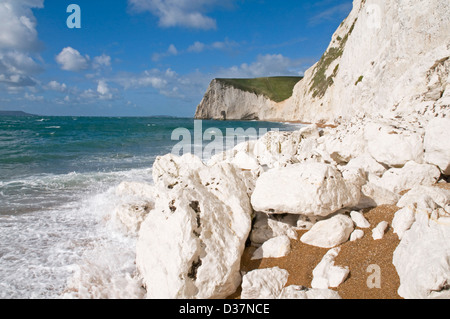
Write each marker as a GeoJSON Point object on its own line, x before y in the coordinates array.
{"type": "Point", "coordinates": [180, 13]}
{"type": "Point", "coordinates": [102, 87]}
{"type": "Point", "coordinates": [71, 60]}
{"type": "Point", "coordinates": [171, 51]}
{"type": "Point", "coordinates": [191, 87]}
{"type": "Point", "coordinates": [102, 61]}
{"type": "Point", "coordinates": [151, 78]}
{"type": "Point", "coordinates": [18, 43]}
{"type": "Point", "coordinates": [33, 98]}
{"type": "Point", "coordinates": [104, 91]}
{"type": "Point", "coordinates": [18, 24]}
{"type": "Point", "coordinates": [197, 47]}
{"type": "Point", "coordinates": [265, 65]}
{"type": "Point", "coordinates": [56, 86]}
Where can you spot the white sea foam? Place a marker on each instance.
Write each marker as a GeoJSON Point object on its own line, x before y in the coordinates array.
{"type": "Point", "coordinates": [74, 250]}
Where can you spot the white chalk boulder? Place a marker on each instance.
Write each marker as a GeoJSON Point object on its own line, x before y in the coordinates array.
{"type": "Point", "coordinates": [264, 283]}
{"type": "Point", "coordinates": [403, 220]}
{"type": "Point", "coordinates": [373, 195]}
{"type": "Point", "coordinates": [426, 197]}
{"type": "Point", "coordinates": [273, 248]}
{"type": "Point", "coordinates": [270, 284]}
{"type": "Point", "coordinates": [329, 233]}
{"type": "Point", "coordinates": [370, 166]}
{"type": "Point", "coordinates": [276, 148]}
{"type": "Point", "coordinates": [191, 244]}
{"type": "Point", "coordinates": [409, 176]}
{"type": "Point", "coordinates": [393, 146]}
{"type": "Point", "coordinates": [437, 144]}
{"type": "Point", "coordinates": [326, 274]}
{"type": "Point", "coordinates": [422, 259]}
{"type": "Point", "coordinates": [314, 189]}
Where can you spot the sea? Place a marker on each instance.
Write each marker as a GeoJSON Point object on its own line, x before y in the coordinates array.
{"type": "Point", "coordinates": [58, 177]}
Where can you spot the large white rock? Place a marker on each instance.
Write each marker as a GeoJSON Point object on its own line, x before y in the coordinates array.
{"type": "Point", "coordinates": [403, 220]}
{"type": "Point", "coordinates": [393, 146]}
{"type": "Point", "coordinates": [310, 148]}
{"type": "Point", "coordinates": [409, 176]}
{"type": "Point", "coordinates": [370, 166]}
{"type": "Point", "coordinates": [422, 258]}
{"type": "Point", "coordinates": [426, 197]}
{"type": "Point", "coordinates": [307, 189]}
{"type": "Point", "coordinates": [373, 195]}
{"type": "Point", "coordinates": [277, 148]}
{"type": "Point", "coordinates": [244, 160]}
{"type": "Point", "coordinates": [273, 248]}
{"type": "Point", "coordinates": [326, 274]}
{"type": "Point", "coordinates": [330, 232]}
{"type": "Point", "coordinates": [270, 284]}
{"type": "Point", "coordinates": [191, 244]}
{"type": "Point", "coordinates": [418, 199]}
{"type": "Point", "coordinates": [343, 143]}
{"type": "Point", "coordinates": [264, 283]}
{"type": "Point", "coordinates": [168, 169]}
{"type": "Point", "coordinates": [437, 144]}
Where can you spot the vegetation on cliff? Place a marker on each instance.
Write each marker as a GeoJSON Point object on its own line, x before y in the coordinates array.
{"type": "Point", "coordinates": [276, 89]}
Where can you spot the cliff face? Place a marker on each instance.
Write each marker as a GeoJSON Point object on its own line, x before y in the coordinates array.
{"type": "Point", "coordinates": [224, 102]}
{"type": "Point", "coordinates": [388, 57]}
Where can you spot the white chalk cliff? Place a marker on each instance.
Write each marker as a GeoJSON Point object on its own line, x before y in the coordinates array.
{"type": "Point", "coordinates": [387, 57]}
{"type": "Point", "coordinates": [225, 102]}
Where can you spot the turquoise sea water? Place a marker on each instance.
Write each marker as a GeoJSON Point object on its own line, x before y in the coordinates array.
{"type": "Point", "coordinates": [57, 176]}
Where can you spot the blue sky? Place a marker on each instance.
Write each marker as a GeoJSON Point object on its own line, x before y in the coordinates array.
{"type": "Point", "coordinates": [151, 57]}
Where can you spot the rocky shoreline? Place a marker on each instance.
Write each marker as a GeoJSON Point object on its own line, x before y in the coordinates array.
{"type": "Point", "coordinates": [327, 204]}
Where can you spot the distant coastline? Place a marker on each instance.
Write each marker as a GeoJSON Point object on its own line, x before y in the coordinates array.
{"type": "Point", "coordinates": [15, 113]}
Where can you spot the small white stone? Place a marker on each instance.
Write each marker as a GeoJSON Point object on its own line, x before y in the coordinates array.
{"type": "Point", "coordinates": [359, 219]}
{"type": "Point", "coordinates": [273, 248]}
{"type": "Point", "coordinates": [379, 231]}
{"type": "Point", "coordinates": [357, 234]}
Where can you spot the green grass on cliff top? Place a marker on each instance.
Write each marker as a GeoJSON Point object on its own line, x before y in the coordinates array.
{"type": "Point", "coordinates": [275, 88]}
